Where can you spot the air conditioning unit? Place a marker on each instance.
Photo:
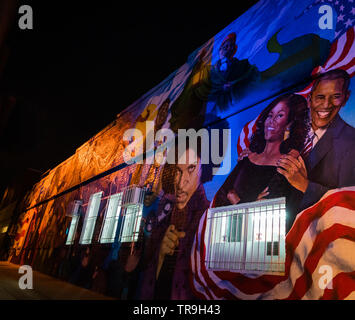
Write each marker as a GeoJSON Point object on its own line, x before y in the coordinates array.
{"type": "Point", "coordinates": [133, 195]}
{"type": "Point", "coordinates": [247, 238]}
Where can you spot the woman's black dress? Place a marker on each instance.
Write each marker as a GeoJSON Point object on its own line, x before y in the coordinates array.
{"type": "Point", "coordinates": [248, 180]}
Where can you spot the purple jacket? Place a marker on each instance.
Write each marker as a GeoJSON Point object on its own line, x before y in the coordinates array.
{"type": "Point", "coordinates": [180, 289]}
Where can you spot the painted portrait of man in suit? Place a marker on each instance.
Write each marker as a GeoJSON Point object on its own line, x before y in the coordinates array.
{"type": "Point", "coordinates": [329, 164]}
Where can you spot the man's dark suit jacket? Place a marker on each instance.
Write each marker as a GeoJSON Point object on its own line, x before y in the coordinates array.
{"type": "Point", "coordinates": [331, 163]}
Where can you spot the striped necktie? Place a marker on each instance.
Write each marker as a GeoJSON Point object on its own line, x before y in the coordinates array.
{"type": "Point", "coordinates": [308, 145]}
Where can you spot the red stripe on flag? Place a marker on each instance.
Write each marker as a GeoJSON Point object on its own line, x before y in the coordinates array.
{"type": "Point", "coordinates": [349, 65]}
{"type": "Point", "coordinates": [345, 199]}
{"type": "Point", "coordinates": [321, 243]}
{"type": "Point", "coordinates": [343, 284]}
{"type": "Point", "coordinates": [247, 285]}
{"type": "Point", "coordinates": [255, 123]}
{"type": "Point", "coordinates": [305, 92]}
{"type": "Point", "coordinates": [348, 44]}
{"type": "Point", "coordinates": [239, 148]}
{"type": "Point", "coordinates": [333, 49]}
{"type": "Point", "coordinates": [246, 133]}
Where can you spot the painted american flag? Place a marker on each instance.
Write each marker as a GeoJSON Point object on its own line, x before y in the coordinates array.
{"type": "Point", "coordinates": [345, 10]}
{"type": "Point", "coordinates": [320, 239]}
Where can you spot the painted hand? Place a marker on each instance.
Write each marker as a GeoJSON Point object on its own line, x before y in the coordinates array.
{"type": "Point", "coordinates": [168, 245]}
{"type": "Point", "coordinates": [263, 194]}
{"type": "Point", "coordinates": [292, 167]}
{"type": "Point", "coordinates": [233, 197]}
{"type": "Point", "coordinates": [170, 241]}
{"type": "Point", "coordinates": [244, 153]}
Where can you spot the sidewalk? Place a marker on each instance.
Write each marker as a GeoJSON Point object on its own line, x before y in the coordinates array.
{"type": "Point", "coordinates": [44, 287]}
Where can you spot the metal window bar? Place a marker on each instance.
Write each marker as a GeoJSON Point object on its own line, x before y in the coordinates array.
{"type": "Point", "coordinates": [251, 251]}
{"type": "Point", "coordinates": [238, 237]}
{"type": "Point", "coordinates": [90, 218]}
{"type": "Point", "coordinates": [264, 210]}
{"type": "Point", "coordinates": [232, 234]}
{"type": "Point", "coordinates": [133, 195]}
{"type": "Point", "coordinates": [247, 237]}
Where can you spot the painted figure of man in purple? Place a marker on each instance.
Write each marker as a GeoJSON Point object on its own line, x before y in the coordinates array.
{"type": "Point", "coordinates": [167, 269]}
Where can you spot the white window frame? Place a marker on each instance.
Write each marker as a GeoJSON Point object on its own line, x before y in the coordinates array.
{"type": "Point", "coordinates": [263, 226]}
{"type": "Point", "coordinates": [111, 219]}
{"type": "Point", "coordinates": [90, 218]}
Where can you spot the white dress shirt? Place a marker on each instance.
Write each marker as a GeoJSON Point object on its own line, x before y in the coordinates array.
{"type": "Point", "coordinates": [317, 134]}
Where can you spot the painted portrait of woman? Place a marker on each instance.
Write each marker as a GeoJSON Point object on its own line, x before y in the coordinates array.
{"type": "Point", "coordinates": [281, 128]}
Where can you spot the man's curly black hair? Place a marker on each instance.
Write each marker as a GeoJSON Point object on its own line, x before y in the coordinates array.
{"type": "Point", "coordinates": [206, 168]}
{"type": "Point", "coordinates": [300, 124]}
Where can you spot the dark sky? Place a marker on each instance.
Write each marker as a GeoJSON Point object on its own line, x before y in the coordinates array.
{"type": "Point", "coordinates": [84, 62]}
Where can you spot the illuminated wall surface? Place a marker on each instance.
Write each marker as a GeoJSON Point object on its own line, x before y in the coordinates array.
{"type": "Point", "coordinates": [273, 49]}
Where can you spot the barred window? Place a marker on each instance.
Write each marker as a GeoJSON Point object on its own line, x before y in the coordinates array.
{"type": "Point", "coordinates": [132, 218]}
{"type": "Point", "coordinates": [72, 229]}
{"type": "Point", "coordinates": [75, 214]}
{"type": "Point", "coordinates": [247, 237]}
{"type": "Point", "coordinates": [112, 216]}
{"type": "Point", "coordinates": [90, 218]}
{"type": "Point", "coordinates": [132, 209]}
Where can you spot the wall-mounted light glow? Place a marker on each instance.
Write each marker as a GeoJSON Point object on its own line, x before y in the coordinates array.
{"type": "Point", "coordinates": [4, 229]}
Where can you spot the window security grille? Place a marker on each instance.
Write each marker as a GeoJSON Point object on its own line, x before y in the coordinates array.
{"type": "Point", "coordinates": [90, 218]}
{"type": "Point", "coordinates": [75, 214]}
{"type": "Point", "coordinates": [112, 216]}
{"type": "Point", "coordinates": [133, 195]}
{"type": "Point", "coordinates": [131, 223]}
{"type": "Point", "coordinates": [132, 203]}
{"type": "Point", "coordinates": [248, 238]}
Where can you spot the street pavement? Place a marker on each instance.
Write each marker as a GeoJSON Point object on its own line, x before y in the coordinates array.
{"type": "Point", "coordinates": [44, 287]}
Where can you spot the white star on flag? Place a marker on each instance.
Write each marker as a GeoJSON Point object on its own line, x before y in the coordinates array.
{"type": "Point", "coordinates": [348, 23]}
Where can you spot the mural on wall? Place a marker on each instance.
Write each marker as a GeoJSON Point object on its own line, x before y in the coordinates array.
{"type": "Point", "coordinates": [279, 78]}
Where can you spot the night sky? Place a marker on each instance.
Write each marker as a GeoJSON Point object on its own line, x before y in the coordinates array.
{"type": "Point", "coordinates": [83, 63]}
